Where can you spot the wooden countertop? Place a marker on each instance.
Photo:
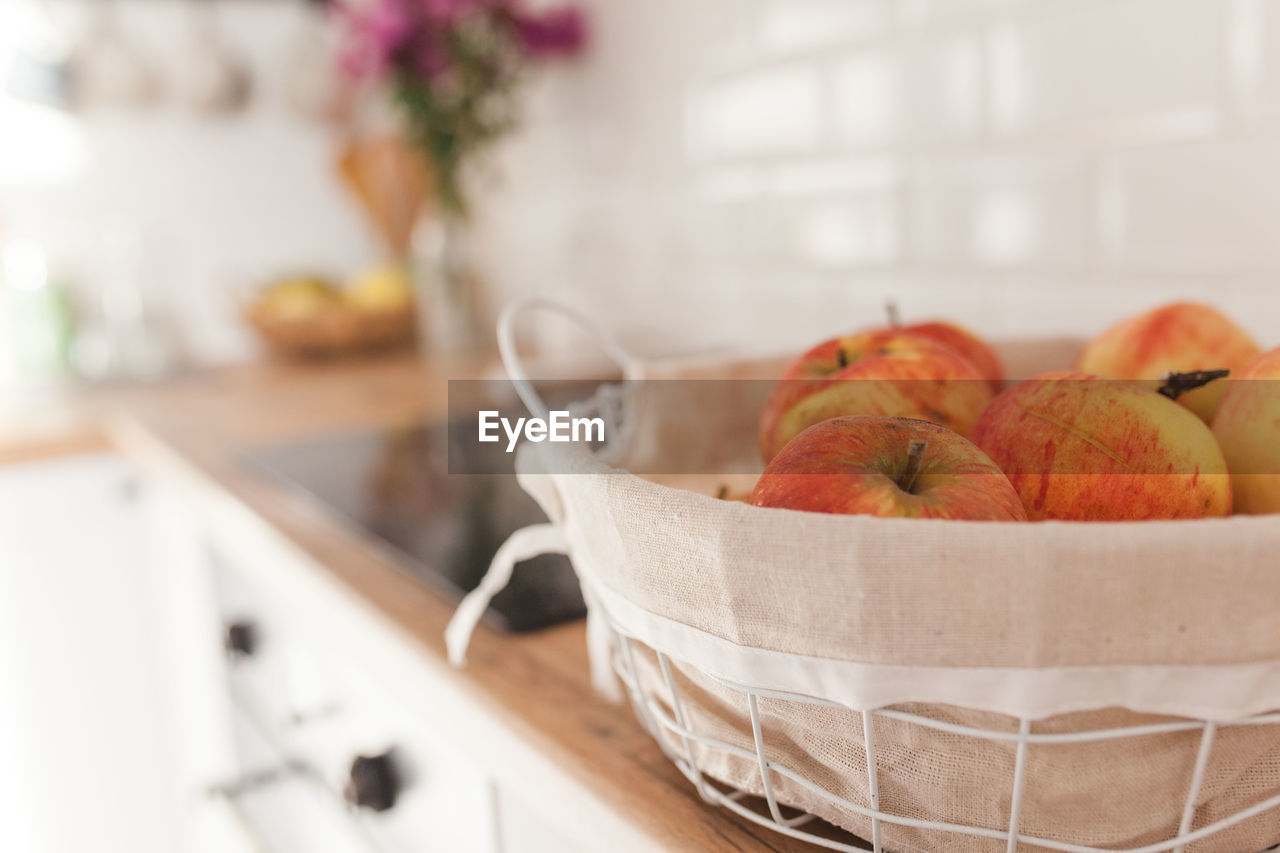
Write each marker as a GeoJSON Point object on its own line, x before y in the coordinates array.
{"type": "Point", "coordinates": [523, 705]}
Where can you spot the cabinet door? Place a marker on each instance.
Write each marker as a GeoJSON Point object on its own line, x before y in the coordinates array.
{"type": "Point", "coordinates": [306, 687]}
{"type": "Point", "coordinates": [84, 758]}
{"type": "Point", "coordinates": [521, 830]}
{"type": "Point", "coordinates": [192, 665]}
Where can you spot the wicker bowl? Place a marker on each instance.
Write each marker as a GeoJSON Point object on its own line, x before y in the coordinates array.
{"type": "Point", "coordinates": [338, 330]}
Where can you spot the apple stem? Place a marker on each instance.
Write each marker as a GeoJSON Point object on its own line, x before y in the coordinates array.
{"type": "Point", "coordinates": [1174, 385]}
{"type": "Point", "coordinates": [842, 358]}
{"type": "Point", "coordinates": [891, 310]}
{"type": "Point", "coordinates": [915, 455]}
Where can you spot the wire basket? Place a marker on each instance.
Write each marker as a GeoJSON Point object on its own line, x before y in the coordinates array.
{"type": "Point", "coordinates": [1071, 725]}
{"type": "Point", "coordinates": [661, 709]}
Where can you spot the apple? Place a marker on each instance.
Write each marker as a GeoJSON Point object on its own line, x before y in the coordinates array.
{"type": "Point", "coordinates": [297, 297]}
{"type": "Point", "coordinates": [885, 466]}
{"type": "Point", "coordinates": [1247, 426]}
{"type": "Point", "coordinates": [1183, 336]}
{"type": "Point", "coordinates": [1079, 447]}
{"type": "Point", "coordinates": [385, 287]}
{"type": "Point", "coordinates": [875, 373]}
{"type": "Point", "coordinates": [959, 339]}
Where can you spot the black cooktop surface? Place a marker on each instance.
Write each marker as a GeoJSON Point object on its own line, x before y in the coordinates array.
{"type": "Point", "coordinates": [394, 488]}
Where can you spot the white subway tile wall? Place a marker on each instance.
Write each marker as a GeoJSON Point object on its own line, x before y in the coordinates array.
{"type": "Point", "coordinates": [760, 172]}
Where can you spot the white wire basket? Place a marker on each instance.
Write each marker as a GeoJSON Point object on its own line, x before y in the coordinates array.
{"type": "Point", "coordinates": [1169, 743]}
{"type": "Point", "coordinates": [660, 709]}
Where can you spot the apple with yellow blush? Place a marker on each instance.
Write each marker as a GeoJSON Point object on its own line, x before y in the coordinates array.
{"type": "Point", "coordinates": [1247, 426]}
{"type": "Point", "coordinates": [1182, 337]}
{"type": "Point", "coordinates": [886, 372]}
{"type": "Point", "coordinates": [1079, 447]}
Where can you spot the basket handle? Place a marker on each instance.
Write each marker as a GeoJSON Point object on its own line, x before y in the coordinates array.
{"type": "Point", "coordinates": [524, 544]}
{"type": "Point", "coordinates": [515, 366]}
{"type": "Point", "coordinates": [537, 539]}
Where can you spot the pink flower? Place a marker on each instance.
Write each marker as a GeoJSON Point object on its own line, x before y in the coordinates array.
{"type": "Point", "coordinates": [556, 32]}
{"type": "Point", "coordinates": [447, 10]}
{"type": "Point", "coordinates": [377, 32]}
{"type": "Point", "coordinates": [429, 57]}
{"type": "Point", "coordinates": [406, 35]}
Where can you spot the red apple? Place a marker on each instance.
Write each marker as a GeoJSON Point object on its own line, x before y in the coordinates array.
{"type": "Point", "coordinates": [973, 348]}
{"type": "Point", "coordinates": [875, 373]}
{"type": "Point", "coordinates": [1247, 426]}
{"type": "Point", "coordinates": [1184, 336]}
{"type": "Point", "coordinates": [898, 467]}
{"type": "Point", "coordinates": [1079, 447]}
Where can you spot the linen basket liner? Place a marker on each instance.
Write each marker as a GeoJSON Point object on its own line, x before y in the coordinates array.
{"type": "Point", "coordinates": [1076, 626]}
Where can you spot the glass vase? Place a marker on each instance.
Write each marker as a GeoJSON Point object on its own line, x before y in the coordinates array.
{"type": "Point", "coordinates": [454, 316]}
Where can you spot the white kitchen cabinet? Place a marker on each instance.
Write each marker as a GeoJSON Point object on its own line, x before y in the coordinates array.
{"type": "Point", "coordinates": [521, 830]}
{"type": "Point", "coordinates": [300, 692]}
{"type": "Point", "coordinates": [126, 725]}
{"type": "Point", "coordinates": [85, 749]}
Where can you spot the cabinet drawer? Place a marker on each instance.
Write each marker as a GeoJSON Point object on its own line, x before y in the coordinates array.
{"type": "Point", "coordinates": [317, 707]}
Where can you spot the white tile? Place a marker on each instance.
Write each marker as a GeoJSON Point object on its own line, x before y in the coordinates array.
{"type": "Point", "coordinates": [1005, 212]}
{"type": "Point", "coordinates": [867, 99]}
{"type": "Point", "coordinates": [1254, 44]}
{"type": "Point", "coordinates": [832, 176]}
{"type": "Point", "coordinates": [1070, 64]}
{"type": "Point", "coordinates": [928, 91]}
{"type": "Point", "coordinates": [727, 29]}
{"type": "Point", "coordinates": [928, 11]}
{"type": "Point", "coordinates": [823, 177]}
{"type": "Point", "coordinates": [790, 26]}
{"type": "Point", "coordinates": [774, 110]}
{"type": "Point", "coordinates": [723, 184]}
{"type": "Point", "coordinates": [732, 233]}
{"type": "Point", "coordinates": [944, 88]}
{"type": "Point", "coordinates": [1207, 205]}
{"type": "Point", "coordinates": [852, 232]}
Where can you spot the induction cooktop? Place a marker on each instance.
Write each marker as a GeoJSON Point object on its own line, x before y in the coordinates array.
{"type": "Point", "coordinates": [394, 489]}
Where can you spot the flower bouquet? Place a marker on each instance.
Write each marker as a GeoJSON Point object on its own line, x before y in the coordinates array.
{"type": "Point", "coordinates": [454, 69]}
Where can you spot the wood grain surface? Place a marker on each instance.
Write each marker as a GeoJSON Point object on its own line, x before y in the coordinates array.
{"type": "Point", "coordinates": [523, 705]}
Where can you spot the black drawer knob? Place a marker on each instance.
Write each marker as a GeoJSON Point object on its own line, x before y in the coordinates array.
{"type": "Point", "coordinates": [241, 639]}
{"type": "Point", "coordinates": [373, 783]}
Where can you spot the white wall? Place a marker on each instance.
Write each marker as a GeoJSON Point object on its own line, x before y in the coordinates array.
{"type": "Point", "coordinates": [732, 169]}
{"type": "Point", "coordinates": [215, 205]}
{"type": "Point", "coordinates": [729, 171]}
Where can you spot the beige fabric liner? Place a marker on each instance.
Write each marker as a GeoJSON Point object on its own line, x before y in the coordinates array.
{"type": "Point", "coordinates": [1189, 611]}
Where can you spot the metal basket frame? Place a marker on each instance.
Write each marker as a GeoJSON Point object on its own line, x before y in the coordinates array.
{"type": "Point", "coordinates": [655, 718]}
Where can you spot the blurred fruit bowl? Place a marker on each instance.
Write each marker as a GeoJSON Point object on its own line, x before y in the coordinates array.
{"type": "Point", "coordinates": [313, 317]}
